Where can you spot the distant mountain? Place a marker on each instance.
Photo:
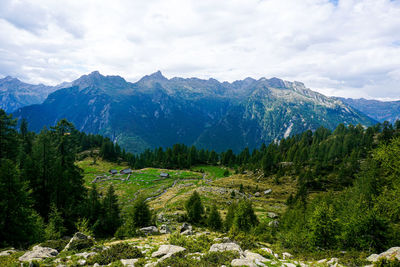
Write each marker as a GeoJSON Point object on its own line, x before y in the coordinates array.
{"type": "Point", "coordinates": [15, 94]}
{"type": "Point", "coordinates": [378, 110]}
{"type": "Point", "coordinates": [156, 111]}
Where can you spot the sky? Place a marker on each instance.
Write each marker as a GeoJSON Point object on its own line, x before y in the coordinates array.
{"type": "Point", "coordinates": [347, 48]}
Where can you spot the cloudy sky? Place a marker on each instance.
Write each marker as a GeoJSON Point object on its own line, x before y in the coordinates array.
{"type": "Point", "coordinates": [338, 47]}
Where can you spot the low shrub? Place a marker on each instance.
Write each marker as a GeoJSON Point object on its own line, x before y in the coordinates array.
{"type": "Point", "coordinates": [55, 244]}
{"type": "Point", "coordinates": [192, 244]}
{"type": "Point", "coordinates": [387, 263]}
{"type": "Point", "coordinates": [115, 253]}
{"type": "Point", "coordinates": [80, 244]}
{"type": "Point", "coordinates": [212, 259]}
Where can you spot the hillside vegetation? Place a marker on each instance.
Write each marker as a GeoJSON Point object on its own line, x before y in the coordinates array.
{"type": "Point", "coordinates": [316, 195]}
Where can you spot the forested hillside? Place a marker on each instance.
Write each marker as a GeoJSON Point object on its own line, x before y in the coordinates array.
{"type": "Point", "coordinates": [345, 195]}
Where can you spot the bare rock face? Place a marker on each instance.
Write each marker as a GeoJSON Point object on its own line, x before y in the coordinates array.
{"type": "Point", "coordinates": [150, 230]}
{"type": "Point", "coordinates": [167, 250]}
{"type": "Point", "coordinates": [390, 254]}
{"type": "Point", "coordinates": [243, 262]}
{"type": "Point", "coordinates": [221, 247]}
{"type": "Point", "coordinates": [38, 253]}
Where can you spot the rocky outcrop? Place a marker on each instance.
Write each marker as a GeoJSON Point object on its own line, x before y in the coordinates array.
{"type": "Point", "coordinates": [129, 262]}
{"type": "Point", "coordinates": [77, 238]}
{"type": "Point", "coordinates": [164, 229]}
{"type": "Point", "coordinates": [167, 250]}
{"type": "Point", "coordinates": [243, 262]}
{"type": "Point", "coordinates": [38, 253]}
{"type": "Point", "coordinates": [390, 254]}
{"type": "Point", "coordinates": [150, 230]}
{"type": "Point", "coordinates": [221, 247]}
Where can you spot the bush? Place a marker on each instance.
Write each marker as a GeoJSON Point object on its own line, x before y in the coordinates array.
{"type": "Point", "coordinates": [55, 244]}
{"type": "Point", "coordinates": [387, 263]}
{"type": "Point", "coordinates": [212, 259]}
{"type": "Point", "coordinates": [80, 244]}
{"type": "Point", "coordinates": [115, 253]}
{"type": "Point", "coordinates": [192, 244]}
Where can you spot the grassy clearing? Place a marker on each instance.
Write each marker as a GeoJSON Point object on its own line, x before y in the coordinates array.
{"type": "Point", "coordinates": [146, 181]}
{"type": "Point", "coordinates": [212, 172]}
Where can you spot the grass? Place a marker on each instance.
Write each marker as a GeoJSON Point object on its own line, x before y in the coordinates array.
{"type": "Point", "coordinates": [145, 181]}
{"type": "Point", "coordinates": [212, 172]}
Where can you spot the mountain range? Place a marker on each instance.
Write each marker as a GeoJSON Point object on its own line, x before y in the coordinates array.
{"type": "Point", "coordinates": [156, 111]}
{"type": "Point", "coordinates": [15, 94]}
{"type": "Point", "coordinates": [378, 110]}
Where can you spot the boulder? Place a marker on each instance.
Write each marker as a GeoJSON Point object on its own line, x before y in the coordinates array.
{"type": "Point", "coordinates": [286, 255]}
{"type": "Point", "coordinates": [81, 262]}
{"type": "Point", "coordinates": [390, 254]}
{"type": "Point", "coordinates": [7, 252]}
{"type": "Point", "coordinates": [150, 230]}
{"type": "Point", "coordinates": [185, 227]}
{"type": "Point", "coordinates": [221, 247]}
{"type": "Point", "coordinates": [257, 194]}
{"type": "Point", "coordinates": [268, 250]}
{"type": "Point", "coordinates": [38, 253]}
{"type": "Point", "coordinates": [268, 191]}
{"type": "Point", "coordinates": [187, 232]}
{"type": "Point", "coordinates": [254, 256]}
{"type": "Point", "coordinates": [78, 236]}
{"type": "Point", "coordinates": [243, 262]}
{"type": "Point", "coordinates": [167, 250]}
{"type": "Point", "coordinates": [272, 215]}
{"type": "Point", "coordinates": [164, 229]}
{"type": "Point", "coordinates": [273, 223]}
{"type": "Point", "coordinates": [129, 262]}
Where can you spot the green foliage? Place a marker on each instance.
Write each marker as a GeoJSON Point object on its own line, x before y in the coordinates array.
{"type": "Point", "coordinates": [192, 244]}
{"type": "Point", "coordinates": [109, 220]}
{"type": "Point", "coordinates": [55, 228]}
{"type": "Point", "coordinates": [80, 244]}
{"type": "Point", "coordinates": [214, 220]}
{"type": "Point", "coordinates": [230, 216]}
{"type": "Point", "coordinates": [383, 262]}
{"type": "Point", "coordinates": [323, 226]}
{"type": "Point", "coordinates": [211, 259]}
{"type": "Point", "coordinates": [82, 225]}
{"type": "Point", "coordinates": [194, 208]}
{"type": "Point", "coordinates": [55, 244]}
{"type": "Point", "coordinates": [140, 214]}
{"type": "Point", "coordinates": [116, 252]}
{"type": "Point", "coordinates": [245, 218]}
{"type": "Point", "coordinates": [19, 223]}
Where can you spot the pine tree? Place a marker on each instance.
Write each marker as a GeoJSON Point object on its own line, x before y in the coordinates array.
{"type": "Point", "coordinates": [19, 223]}
{"type": "Point", "coordinates": [245, 218]}
{"type": "Point", "coordinates": [109, 220]}
{"type": "Point", "coordinates": [55, 228]}
{"type": "Point", "coordinates": [214, 221]}
{"type": "Point", "coordinates": [230, 216]}
{"type": "Point", "coordinates": [139, 215]}
{"type": "Point", "coordinates": [194, 208]}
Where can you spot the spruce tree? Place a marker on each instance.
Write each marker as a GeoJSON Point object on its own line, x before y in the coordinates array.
{"type": "Point", "coordinates": [109, 220]}
{"type": "Point", "coordinates": [245, 218]}
{"type": "Point", "coordinates": [214, 221]}
{"type": "Point", "coordinates": [194, 208]}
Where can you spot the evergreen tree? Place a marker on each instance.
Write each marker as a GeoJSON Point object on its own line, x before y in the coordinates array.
{"type": "Point", "coordinates": [230, 216]}
{"type": "Point", "coordinates": [139, 215]}
{"type": "Point", "coordinates": [194, 208]}
{"type": "Point", "coordinates": [214, 221]}
{"type": "Point", "coordinates": [323, 226]}
{"type": "Point", "coordinates": [19, 223]}
{"type": "Point", "coordinates": [55, 228]}
{"type": "Point", "coordinates": [245, 218]}
{"type": "Point", "coordinates": [109, 220]}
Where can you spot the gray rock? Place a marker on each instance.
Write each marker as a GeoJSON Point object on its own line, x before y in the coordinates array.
{"type": "Point", "coordinates": [150, 230]}
{"type": "Point", "coordinates": [273, 223]}
{"type": "Point", "coordinates": [96, 265]}
{"type": "Point", "coordinates": [272, 215]}
{"type": "Point", "coordinates": [164, 229]}
{"type": "Point", "coordinates": [288, 264]}
{"type": "Point", "coordinates": [257, 194]}
{"type": "Point", "coordinates": [392, 253]}
{"type": "Point", "coordinates": [243, 262]}
{"type": "Point", "coordinates": [81, 262]}
{"type": "Point", "coordinates": [167, 250]}
{"type": "Point", "coordinates": [286, 255]}
{"type": "Point", "coordinates": [185, 227]}
{"type": "Point", "coordinates": [129, 262]}
{"type": "Point", "coordinates": [187, 232]}
{"type": "Point", "coordinates": [7, 252]}
{"type": "Point", "coordinates": [254, 256]}
{"type": "Point", "coordinates": [222, 240]}
{"type": "Point", "coordinates": [221, 247]}
{"type": "Point", "coordinates": [268, 191]}
{"type": "Point", "coordinates": [38, 253]}
{"type": "Point", "coordinates": [77, 236]}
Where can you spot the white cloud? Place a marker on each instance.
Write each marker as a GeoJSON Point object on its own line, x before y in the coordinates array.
{"type": "Point", "coordinates": [349, 48]}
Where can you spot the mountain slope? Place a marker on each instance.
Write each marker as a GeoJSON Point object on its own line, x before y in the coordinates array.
{"type": "Point", "coordinates": [15, 94]}
{"type": "Point", "coordinates": [378, 110]}
{"type": "Point", "coordinates": [156, 111]}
